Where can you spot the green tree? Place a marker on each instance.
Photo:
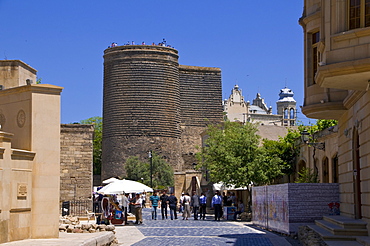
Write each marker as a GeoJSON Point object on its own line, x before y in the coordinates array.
{"type": "Point", "coordinates": [137, 170]}
{"type": "Point", "coordinates": [97, 121]}
{"type": "Point", "coordinates": [231, 152]}
{"type": "Point", "coordinates": [307, 175]}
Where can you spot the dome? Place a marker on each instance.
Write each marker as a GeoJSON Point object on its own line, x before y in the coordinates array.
{"type": "Point", "coordinates": [286, 95]}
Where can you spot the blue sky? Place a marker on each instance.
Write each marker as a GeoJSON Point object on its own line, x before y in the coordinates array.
{"type": "Point", "coordinates": [257, 44]}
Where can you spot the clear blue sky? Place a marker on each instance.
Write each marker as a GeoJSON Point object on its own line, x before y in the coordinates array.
{"type": "Point", "coordinates": [257, 44]}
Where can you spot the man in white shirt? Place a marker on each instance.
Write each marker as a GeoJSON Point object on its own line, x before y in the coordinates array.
{"type": "Point", "coordinates": [125, 204]}
{"type": "Point", "coordinates": [138, 209]}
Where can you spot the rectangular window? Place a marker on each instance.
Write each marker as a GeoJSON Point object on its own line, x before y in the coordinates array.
{"type": "Point", "coordinates": [315, 54]}
{"type": "Point", "coordinates": [358, 14]}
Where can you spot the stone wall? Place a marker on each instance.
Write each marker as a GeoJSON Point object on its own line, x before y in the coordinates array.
{"type": "Point", "coordinates": [285, 207]}
{"type": "Point", "coordinates": [76, 162]}
{"type": "Point", "coordinates": [152, 103]}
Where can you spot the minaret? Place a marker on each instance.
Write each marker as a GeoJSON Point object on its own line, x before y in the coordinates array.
{"type": "Point", "coordinates": [286, 106]}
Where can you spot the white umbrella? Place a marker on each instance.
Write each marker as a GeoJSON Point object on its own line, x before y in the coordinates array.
{"type": "Point", "coordinates": [126, 186]}
{"type": "Point", "coordinates": [110, 180]}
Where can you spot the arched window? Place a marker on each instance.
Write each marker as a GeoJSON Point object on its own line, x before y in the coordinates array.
{"type": "Point", "coordinates": [286, 113]}
{"type": "Point", "coordinates": [325, 170]}
{"type": "Point", "coordinates": [292, 116]}
{"type": "Point", "coordinates": [335, 169]}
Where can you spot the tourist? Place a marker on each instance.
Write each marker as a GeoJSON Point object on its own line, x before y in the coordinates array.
{"type": "Point", "coordinates": [181, 208]}
{"type": "Point", "coordinates": [233, 199]}
{"type": "Point", "coordinates": [172, 203]}
{"type": "Point", "coordinates": [154, 200]}
{"type": "Point", "coordinates": [216, 204]}
{"type": "Point", "coordinates": [186, 205]}
{"type": "Point", "coordinates": [195, 204]}
{"type": "Point", "coordinates": [224, 199]}
{"type": "Point", "coordinates": [203, 206]}
{"type": "Point", "coordinates": [125, 204]}
{"type": "Point", "coordinates": [143, 197]}
{"type": "Point", "coordinates": [138, 209]}
{"type": "Point", "coordinates": [164, 204]}
{"type": "Point", "coordinates": [240, 209]}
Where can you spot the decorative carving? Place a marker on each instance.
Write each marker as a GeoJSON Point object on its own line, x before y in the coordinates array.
{"type": "Point", "coordinates": [22, 191]}
{"type": "Point", "coordinates": [21, 118]}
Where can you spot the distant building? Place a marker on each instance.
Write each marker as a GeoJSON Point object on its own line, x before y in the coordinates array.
{"type": "Point", "coordinates": [237, 109]}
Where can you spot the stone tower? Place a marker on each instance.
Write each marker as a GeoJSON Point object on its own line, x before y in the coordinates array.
{"type": "Point", "coordinates": [141, 105]}
{"type": "Point", "coordinates": [286, 106]}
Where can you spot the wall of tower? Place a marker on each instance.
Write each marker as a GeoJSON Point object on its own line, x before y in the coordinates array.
{"type": "Point", "coordinates": [201, 105]}
{"type": "Point", "coordinates": [141, 105]}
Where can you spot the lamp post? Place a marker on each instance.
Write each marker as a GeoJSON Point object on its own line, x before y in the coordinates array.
{"type": "Point", "coordinates": [151, 168]}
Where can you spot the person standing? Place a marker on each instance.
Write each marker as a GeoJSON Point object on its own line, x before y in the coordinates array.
{"type": "Point", "coordinates": [203, 206]}
{"type": "Point", "coordinates": [138, 209]}
{"type": "Point", "coordinates": [154, 200]}
{"type": "Point", "coordinates": [195, 204]}
{"type": "Point", "coordinates": [164, 203]}
{"type": "Point", "coordinates": [181, 208]}
{"type": "Point", "coordinates": [216, 204]}
{"type": "Point", "coordinates": [172, 203]}
{"type": "Point", "coordinates": [186, 206]}
{"type": "Point", "coordinates": [125, 204]}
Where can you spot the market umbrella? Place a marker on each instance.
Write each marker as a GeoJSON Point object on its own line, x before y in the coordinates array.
{"type": "Point", "coordinates": [110, 180]}
{"type": "Point", "coordinates": [126, 186]}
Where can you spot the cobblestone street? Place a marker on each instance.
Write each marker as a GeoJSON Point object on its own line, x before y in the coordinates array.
{"type": "Point", "coordinates": [195, 232]}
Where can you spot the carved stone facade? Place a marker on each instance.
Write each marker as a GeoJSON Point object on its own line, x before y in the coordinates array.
{"type": "Point", "coordinates": [153, 103]}
{"type": "Point", "coordinates": [76, 157]}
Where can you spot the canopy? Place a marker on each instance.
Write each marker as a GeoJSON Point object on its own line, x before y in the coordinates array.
{"type": "Point", "coordinates": [110, 180]}
{"type": "Point", "coordinates": [221, 186]}
{"type": "Point", "coordinates": [124, 186]}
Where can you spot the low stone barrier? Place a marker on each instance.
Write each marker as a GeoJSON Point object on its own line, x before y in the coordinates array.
{"type": "Point", "coordinates": [285, 207]}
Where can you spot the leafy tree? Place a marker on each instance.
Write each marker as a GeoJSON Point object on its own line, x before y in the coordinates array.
{"type": "Point", "coordinates": [307, 175]}
{"type": "Point", "coordinates": [231, 152]}
{"type": "Point", "coordinates": [140, 171]}
{"type": "Point", "coordinates": [97, 121]}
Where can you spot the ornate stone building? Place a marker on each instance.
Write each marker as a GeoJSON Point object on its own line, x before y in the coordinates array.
{"type": "Point", "coordinates": [153, 103]}
{"type": "Point", "coordinates": [337, 75]}
{"type": "Point", "coordinates": [237, 109]}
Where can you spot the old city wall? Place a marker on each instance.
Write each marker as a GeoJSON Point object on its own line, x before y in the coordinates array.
{"type": "Point", "coordinates": [201, 105]}
{"type": "Point", "coordinates": [76, 156]}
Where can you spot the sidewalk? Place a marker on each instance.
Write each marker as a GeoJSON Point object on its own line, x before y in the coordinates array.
{"type": "Point", "coordinates": [68, 239]}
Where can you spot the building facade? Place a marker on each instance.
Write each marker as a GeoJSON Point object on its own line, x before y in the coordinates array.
{"type": "Point", "coordinates": [237, 109]}
{"type": "Point", "coordinates": [151, 103]}
{"type": "Point", "coordinates": [29, 154]}
{"type": "Point", "coordinates": [337, 75]}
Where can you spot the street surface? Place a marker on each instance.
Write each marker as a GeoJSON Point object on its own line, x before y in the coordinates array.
{"type": "Point", "coordinates": [194, 232]}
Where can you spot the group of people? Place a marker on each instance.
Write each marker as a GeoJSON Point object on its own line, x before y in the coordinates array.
{"type": "Point", "coordinates": [192, 204]}
{"type": "Point", "coordinates": [163, 43]}
{"type": "Point", "coordinates": [120, 206]}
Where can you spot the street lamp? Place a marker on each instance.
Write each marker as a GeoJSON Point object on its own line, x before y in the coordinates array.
{"type": "Point", "coordinates": [306, 138]}
{"type": "Point", "coordinates": [151, 168]}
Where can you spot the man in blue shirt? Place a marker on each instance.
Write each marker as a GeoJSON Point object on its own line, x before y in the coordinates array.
{"type": "Point", "coordinates": [154, 200]}
{"type": "Point", "coordinates": [216, 204]}
{"type": "Point", "coordinates": [203, 206]}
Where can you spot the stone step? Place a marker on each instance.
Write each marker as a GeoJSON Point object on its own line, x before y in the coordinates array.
{"type": "Point", "coordinates": [363, 240]}
{"type": "Point", "coordinates": [339, 230]}
{"type": "Point", "coordinates": [346, 222]}
{"type": "Point", "coordinates": [328, 236]}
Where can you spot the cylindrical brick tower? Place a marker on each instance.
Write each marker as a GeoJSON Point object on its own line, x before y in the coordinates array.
{"type": "Point", "coordinates": [141, 105]}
